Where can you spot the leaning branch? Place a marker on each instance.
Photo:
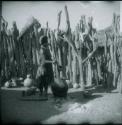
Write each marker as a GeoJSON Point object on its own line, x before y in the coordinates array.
{"type": "Point", "coordinates": [89, 56]}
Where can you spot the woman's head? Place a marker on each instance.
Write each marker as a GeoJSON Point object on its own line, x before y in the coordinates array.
{"type": "Point", "coordinates": [43, 41]}
{"type": "Point", "coordinates": [14, 24]}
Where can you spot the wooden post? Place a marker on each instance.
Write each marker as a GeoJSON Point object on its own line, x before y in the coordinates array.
{"type": "Point", "coordinates": [74, 62]}
{"type": "Point", "coordinates": [89, 78]}
{"type": "Point", "coordinates": [81, 72]}
{"type": "Point", "coordinates": [60, 46]}
{"type": "Point", "coordinates": [116, 34]}
{"type": "Point", "coordinates": [68, 36]}
{"type": "Point", "coordinates": [120, 66]}
{"type": "Point", "coordinates": [59, 20]}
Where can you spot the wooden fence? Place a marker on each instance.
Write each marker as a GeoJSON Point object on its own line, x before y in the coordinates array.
{"type": "Point", "coordinates": [87, 56]}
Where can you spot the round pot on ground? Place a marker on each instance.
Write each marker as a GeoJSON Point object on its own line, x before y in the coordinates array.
{"type": "Point", "coordinates": [59, 88]}
{"type": "Point", "coordinates": [28, 82]}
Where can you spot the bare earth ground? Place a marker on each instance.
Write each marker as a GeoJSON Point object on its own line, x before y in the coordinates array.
{"type": "Point", "coordinates": [100, 107]}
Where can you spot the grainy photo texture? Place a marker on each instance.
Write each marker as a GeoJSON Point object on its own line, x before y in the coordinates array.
{"type": "Point", "coordinates": [61, 62]}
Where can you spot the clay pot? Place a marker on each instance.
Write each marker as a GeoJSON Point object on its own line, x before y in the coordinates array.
{"type": "Point", "coordinates": [59, 88]}
{"type": "Point", "coordinates": [20, 81]}
{"type": "Point", "coordinates": [13, 83]}
{"type": "Point", "coordinates": [75, 85]}
{"type": "Point", "coordinates": [28, 82]}
{"type": "Point", "coordinates": [7, 84]}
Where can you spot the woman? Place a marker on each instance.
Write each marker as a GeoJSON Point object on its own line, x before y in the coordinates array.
{"type": "Point", "coordinates": [44, 74]}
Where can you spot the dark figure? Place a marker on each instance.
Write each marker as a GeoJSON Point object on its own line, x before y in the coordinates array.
{"type": "Point", "coordinates": [15, 31]}
{"type": "Point", "coordinates": [44, 74]}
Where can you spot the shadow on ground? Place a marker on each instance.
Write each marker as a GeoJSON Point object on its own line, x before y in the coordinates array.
{"type": "Point", "coordinates": [100, 89]}
{"type": "Point", "coordinates": [80, 97]}
{"type": "Point", "coordinates": [13, 110]}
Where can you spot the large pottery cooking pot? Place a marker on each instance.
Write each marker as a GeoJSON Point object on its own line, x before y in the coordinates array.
{"type": "Point", "coordinates": [59, 88]}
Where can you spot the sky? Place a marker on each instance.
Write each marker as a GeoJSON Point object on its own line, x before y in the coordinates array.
{"type": "Point", "coordinates": [44, 11]}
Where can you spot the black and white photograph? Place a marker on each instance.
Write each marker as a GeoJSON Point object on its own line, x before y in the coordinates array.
{"type": "Point", "coordinates": [61, 62]}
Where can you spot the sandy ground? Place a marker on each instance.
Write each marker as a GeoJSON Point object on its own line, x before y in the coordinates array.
{"type": "Point", "coordinates": [107, 109]}
{"type": "Point", "coordinates": [100, 107]}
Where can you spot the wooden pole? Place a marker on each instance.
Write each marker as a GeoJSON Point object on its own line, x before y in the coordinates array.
{"type": "Point", "coordinates": [68, 36]}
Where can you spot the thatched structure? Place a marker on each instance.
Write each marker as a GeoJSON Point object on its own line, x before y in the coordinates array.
{"type": "Point", "coordinates": [29, 25]}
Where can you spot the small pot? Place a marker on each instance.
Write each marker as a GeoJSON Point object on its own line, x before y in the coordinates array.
{"type": "Point", "coordinates": [28, 82]}
{"type": "Point", "coordinates": [7, 84]}
{"type": "Point", "coordinates": [75, 86]}
{"type": "Point", "coordinates": [13, 83]}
